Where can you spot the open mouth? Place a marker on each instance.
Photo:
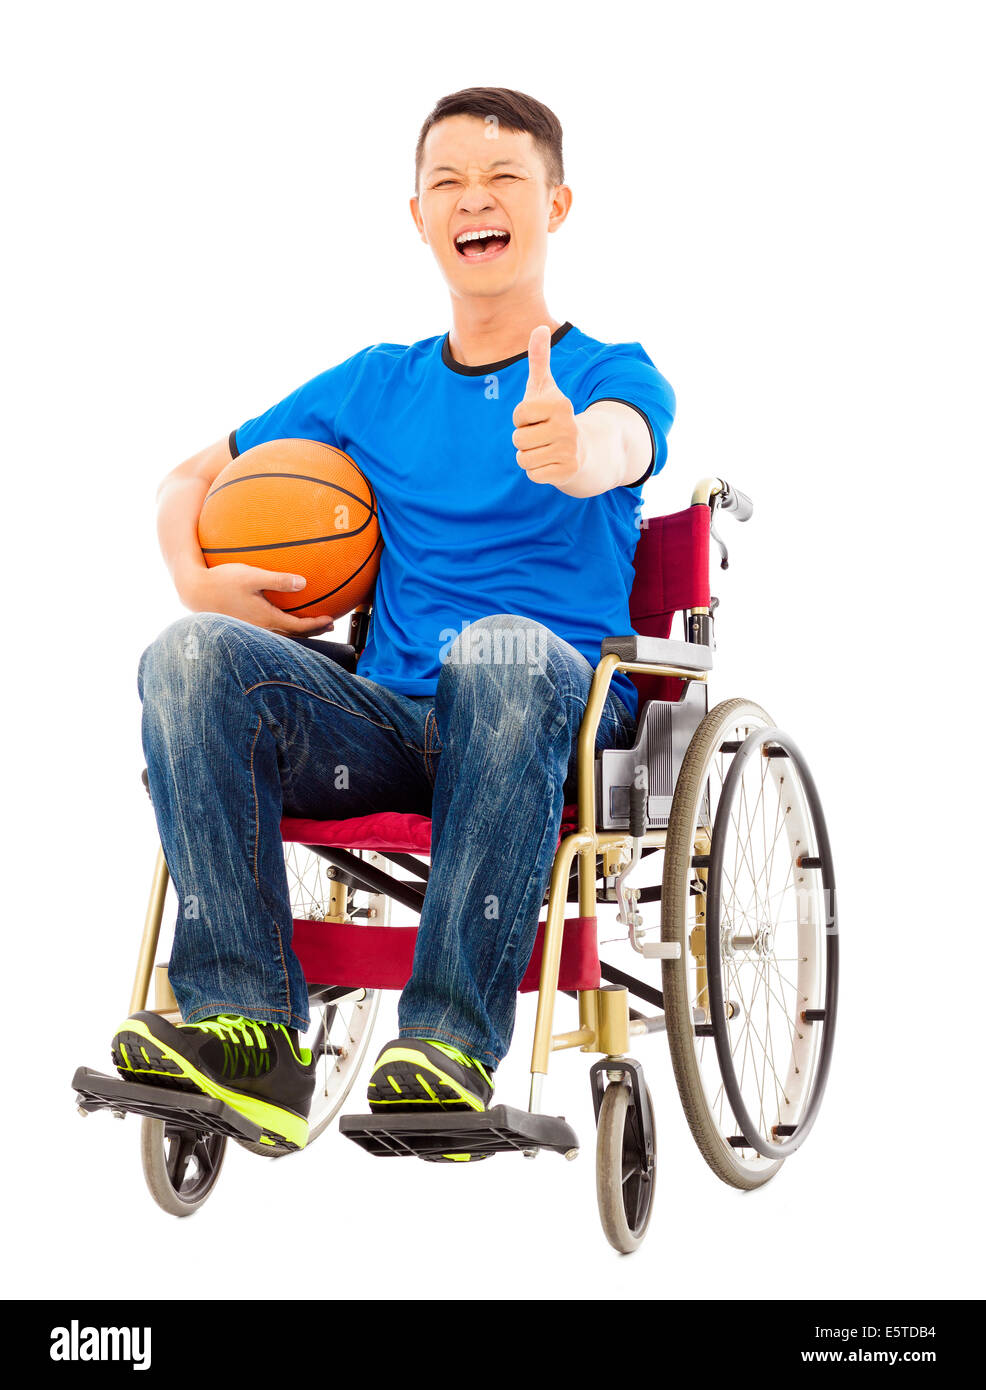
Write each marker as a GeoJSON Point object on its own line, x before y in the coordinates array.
{"type": "Point", "coordinates": [482, 243]}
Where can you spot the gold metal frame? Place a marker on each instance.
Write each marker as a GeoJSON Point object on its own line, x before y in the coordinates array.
{"type": "Point", "coordinates": [604, 1014]}
{"type": "Point", "coordinates": [706, 490]}
{"type": "Point", "coordinates": [151, 935]}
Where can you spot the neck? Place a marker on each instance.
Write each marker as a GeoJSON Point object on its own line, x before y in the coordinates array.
{"type": "Point", "coordinates": [484, 331]}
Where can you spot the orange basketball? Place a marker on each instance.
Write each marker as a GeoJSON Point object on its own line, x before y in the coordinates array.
{"type": "Point", "coordinates": [300, 507]}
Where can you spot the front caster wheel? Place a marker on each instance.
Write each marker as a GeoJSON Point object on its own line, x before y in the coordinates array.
{"type": "Point", "coordinates": [625, 1154]}
{"type": "Point", "coordinates": [181, 1166]}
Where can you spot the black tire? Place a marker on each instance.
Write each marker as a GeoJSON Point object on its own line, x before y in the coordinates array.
{"type": "Point", "coordinates": [180, 1167]}
{"type": "Point", "coordinates": [625, 1172]}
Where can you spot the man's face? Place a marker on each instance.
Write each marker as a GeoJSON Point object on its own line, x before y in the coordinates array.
{"type": "Point", "coordinates": [476, 177]}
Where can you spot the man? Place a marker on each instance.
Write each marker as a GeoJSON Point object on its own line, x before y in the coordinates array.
{"type": "Point", "coordinates": [507, 457]}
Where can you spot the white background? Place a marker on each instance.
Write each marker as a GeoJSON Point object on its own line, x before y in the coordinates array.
{"type": "Point", "coordinates": [206, 205]}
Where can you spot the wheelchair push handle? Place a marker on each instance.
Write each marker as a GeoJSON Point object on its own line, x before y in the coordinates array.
{"type": "Point", "coordinates": [717, 494]}
{"type": "Point", "coordinates": [736, 502]}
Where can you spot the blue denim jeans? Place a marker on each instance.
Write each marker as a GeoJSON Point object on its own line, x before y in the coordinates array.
{"type": "Point", "coordinates": [242, 726]}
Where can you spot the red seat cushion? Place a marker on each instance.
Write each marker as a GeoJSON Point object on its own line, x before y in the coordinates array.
{"type": "Point", "coordinates": [396, 830]}
{"type": "Point", "coordinates": [401, 831]}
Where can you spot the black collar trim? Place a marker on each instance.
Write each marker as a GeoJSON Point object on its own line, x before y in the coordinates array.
{"type": "Point", "coordinates": [488, 367]}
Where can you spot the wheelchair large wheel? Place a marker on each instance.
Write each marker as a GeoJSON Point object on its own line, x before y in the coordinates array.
{"type": "Point", "coordinates": [749, 895]}
{"type": "Point", "coordinates": [341, 1024]}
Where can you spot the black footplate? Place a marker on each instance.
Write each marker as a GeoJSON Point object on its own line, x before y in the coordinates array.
{"type": "Point", "coordinates": [95, 1091]}
{"type": "Point", "coordinates": [439, 1138]}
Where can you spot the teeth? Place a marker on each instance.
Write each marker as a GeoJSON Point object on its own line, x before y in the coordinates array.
{"type": "Point", "coordinates": [478, 235]}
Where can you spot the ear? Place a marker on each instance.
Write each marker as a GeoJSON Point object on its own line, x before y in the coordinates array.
{"type": "Point", "coordinates": [418, 220]}
{"type": "Point", "coordinates": [558, 208]}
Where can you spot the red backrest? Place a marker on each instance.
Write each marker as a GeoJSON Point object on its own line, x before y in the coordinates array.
{"type": "Point", "coordinates": [671, 572]}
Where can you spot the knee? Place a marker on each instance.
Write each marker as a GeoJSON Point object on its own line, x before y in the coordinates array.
{"type": "Point", "coordinates": [188, 659]}
{"type": "Point", "coordinates": [503, 652]}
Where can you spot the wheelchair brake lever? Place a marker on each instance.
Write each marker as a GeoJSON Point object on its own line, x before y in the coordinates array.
{"type": "Point", "coordinates": [713, 508]}
{"type": "Point", "coordinates": [628, 916]}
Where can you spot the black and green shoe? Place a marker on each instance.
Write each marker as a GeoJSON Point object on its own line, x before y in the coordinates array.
{"type": "Point", "coordinates": [256, 1068]}
{"type": "Point", "coordinates": [424, 1075]}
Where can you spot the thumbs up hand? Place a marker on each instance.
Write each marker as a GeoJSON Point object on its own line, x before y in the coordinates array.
{"type": "Point", "coordinates": [549, 444]}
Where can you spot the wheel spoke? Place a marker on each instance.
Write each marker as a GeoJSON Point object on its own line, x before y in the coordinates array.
{"type": "Point", "coordinates": [180, 1150]}
{"type": "Point", "coordinates": [204, 1151]}
{"type": "Point", "coordinates": [767, 935]}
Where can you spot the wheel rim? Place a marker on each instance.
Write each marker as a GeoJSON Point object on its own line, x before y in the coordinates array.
{"type": "Point", "coordinates": [338, 1038]}
{"type": "Point", "coordinates": [637, 1171]}
{"type": "Point", "coordinates": [754, 923]}
{"type": "Point", "coordinates": [758, 1061]}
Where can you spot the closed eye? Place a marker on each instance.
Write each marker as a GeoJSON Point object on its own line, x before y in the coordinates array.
{"type": "Point", "coordinates": [446, 183]}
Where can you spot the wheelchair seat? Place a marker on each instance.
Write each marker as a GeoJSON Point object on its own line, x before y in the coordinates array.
{"type": "Point", "coordinates": [402, 832]}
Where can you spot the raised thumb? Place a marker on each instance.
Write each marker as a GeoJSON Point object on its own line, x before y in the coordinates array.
{"type": "Point", "coordinates": [538, 361]}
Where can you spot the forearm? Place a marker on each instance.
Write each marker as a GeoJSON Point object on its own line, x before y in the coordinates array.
{"type": "Point", "coordinates": [604, 455]}
{"type": "Point", "coordinates": [179, 504]}
{"type": "Point", "coordinates": [180, 499]}
{"type": "Point", "coordinates": [238, 590]}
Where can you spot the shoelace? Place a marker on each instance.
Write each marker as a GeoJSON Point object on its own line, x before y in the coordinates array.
{"type": "Point", "coordinates": [243, 1031]}
{"type": "Point", "coordinates": [461, 1058]}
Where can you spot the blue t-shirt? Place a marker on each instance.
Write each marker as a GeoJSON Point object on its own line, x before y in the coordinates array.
{"type": "Point", "coordinates": [466, 533]}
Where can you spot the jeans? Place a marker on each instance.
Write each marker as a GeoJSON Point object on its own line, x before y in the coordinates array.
{"type": "Point", "coordinates": [241, 726]}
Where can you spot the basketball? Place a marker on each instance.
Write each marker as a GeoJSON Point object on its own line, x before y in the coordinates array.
{"type": "Point", "coordinates": [301, 507]}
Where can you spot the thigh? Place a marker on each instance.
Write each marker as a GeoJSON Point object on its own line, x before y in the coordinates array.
{"type": "Point", "coordinates": [509, 655]}
{"type": "Point", "coordinates": [345, 745]}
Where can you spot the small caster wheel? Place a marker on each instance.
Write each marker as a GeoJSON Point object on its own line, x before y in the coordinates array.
{"type": "Point", "coordinates": [181, 1166]}
{"type": "Point", "coordinates": [625, 1167]}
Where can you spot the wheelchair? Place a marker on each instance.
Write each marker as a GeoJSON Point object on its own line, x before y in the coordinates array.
{"type": "Point", "coordinates": [707, 835]}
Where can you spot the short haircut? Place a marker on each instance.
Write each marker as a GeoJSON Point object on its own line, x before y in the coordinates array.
{"type": "Point", "coordinates": [513, 111]}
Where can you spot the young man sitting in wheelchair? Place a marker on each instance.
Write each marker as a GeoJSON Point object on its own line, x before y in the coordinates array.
{"type": "Point", "coordinates": [507, 457]}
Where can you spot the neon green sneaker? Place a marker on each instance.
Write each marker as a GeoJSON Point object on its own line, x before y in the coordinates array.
{"type": "Point", "coordinates": [424, 1075]}
{"type": "Point", "coordinates": [256, 1068]}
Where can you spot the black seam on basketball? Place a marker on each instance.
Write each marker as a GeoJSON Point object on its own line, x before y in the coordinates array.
{"type": "Point", "coordinates": [287, 545]}
{"type": "Point", "coordinates": [355, 572]}
{"type": "Point", "coordinates": [302, 478]}
{"type": "Point", "coordinates": [234, 451]}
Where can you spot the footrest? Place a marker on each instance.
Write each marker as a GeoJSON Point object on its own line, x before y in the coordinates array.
{"type": "Point", "coordinates": [441, 1137]}
{"type": "Point", "coordinates": [96, 1091]}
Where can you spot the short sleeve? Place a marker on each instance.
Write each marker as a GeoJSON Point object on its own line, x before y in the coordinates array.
{"type": "Point", "coordinates": [624, 373]}
{"type": "Point", "coordinates": [309, 412]}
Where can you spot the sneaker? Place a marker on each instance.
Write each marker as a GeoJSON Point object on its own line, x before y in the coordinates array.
{"type": "Point", "coordinates": [423, 1075]}
{"type": "Point", "coordinates": [256, 1068]}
